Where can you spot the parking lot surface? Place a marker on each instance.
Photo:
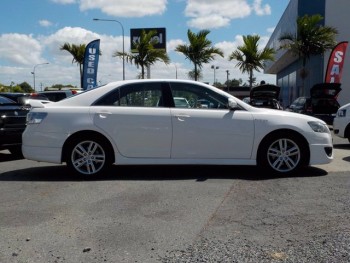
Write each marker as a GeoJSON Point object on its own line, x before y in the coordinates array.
{"type": "Point", "coordinates": [175, 214]}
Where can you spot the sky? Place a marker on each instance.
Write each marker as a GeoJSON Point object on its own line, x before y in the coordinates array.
{"type": "Point", "coordinates": [32, 32]}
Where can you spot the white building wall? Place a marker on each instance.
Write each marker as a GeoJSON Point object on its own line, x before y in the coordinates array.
{"type": "Point", "coordinates": [338, 16]}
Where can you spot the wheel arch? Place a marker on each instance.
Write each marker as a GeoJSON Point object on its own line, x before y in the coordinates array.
{"type": "Point", "coordinates": [285, 132]}
{"type": "Point", "coordinates": [86, 133]}
{"type": "Point", "coordinates": [347, 131]}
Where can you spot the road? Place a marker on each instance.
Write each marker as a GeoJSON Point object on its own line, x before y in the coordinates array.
{"type": "Point", "coordinates": [175, 214]}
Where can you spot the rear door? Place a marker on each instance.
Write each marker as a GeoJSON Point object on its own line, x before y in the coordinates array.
{"type": "Point", "coordinates": [133, 116]}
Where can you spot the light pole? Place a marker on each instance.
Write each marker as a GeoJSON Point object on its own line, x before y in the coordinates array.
{"type": "Point", "coordinates": [113, 20]}
{"type": "Point", "coordinates": [215, 68]}
{"type": "Point", "coordinates": [175, 71]}
{"type": "Point", "coordinates": [33, 72]}
{"type": "Point", "coordinates": [227, 74]}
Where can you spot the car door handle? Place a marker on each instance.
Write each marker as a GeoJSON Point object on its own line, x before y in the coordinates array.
{"type": "Point", "coordinates": [181, 117]}
{"type": "Point", "coordinates": [104, 114]}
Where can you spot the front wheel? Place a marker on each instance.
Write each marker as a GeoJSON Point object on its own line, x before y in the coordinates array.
{"type": "Point", "coordinates": [88, 157]}
{"type": "Point", "coordinates": [283, 154]}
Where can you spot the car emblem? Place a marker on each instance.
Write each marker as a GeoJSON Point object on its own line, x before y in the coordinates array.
{"type": "Point", "coordinates": [16, 113]}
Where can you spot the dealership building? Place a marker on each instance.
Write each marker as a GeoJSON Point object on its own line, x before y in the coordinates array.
{"type": "Point", "coordinates": [287, 67]}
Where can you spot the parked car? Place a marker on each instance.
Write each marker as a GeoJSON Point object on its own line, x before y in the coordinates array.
{"type": "Point", "coordinates": [22, 98]}
{"type": "Point", "coordinates": [56, 95]}
{"type": "Point", "coordinates": [321, 104]}
{"type": "Point", "coordinates": [341, 123]}
{"type": "Point", "coordinates": [123, 123]}
{"type": "Point", "coordinates": [264, 96]}
{"type": "Point", "coordinates": [12, 124]}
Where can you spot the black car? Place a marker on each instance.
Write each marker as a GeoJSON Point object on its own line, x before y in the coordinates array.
{"type": "Point", "coordinates": [265, 96]}
{"type": "Point", "coordinates": [56, 95]}
{"type": "Point", "coordinates": [22, 98]}
{"type": "Point", "coordinates": [12, 124]}
{"type": "Point", "coordinates": [321, 104]}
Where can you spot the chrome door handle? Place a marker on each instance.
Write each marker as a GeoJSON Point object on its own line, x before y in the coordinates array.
{"type": "Point", "coordinates": [104, 115]}
{"type": "Point", "coordinates": [181, 117]}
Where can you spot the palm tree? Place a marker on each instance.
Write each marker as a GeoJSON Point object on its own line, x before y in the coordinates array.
{"type": "Point", "coordinates": [250, 58]}
{"type": "Point", "coordinates": [77, 51]}
{"type": "Point", "coordinates": [310, 39]}
{"type": "Point", "coordinates": [191, 75]}
{"type": "Point", "coordinates": [199, 51]}
{"type": "Point", "coordinates": [146, 54]}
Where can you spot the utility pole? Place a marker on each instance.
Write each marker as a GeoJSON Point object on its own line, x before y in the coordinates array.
{"type": "Point", "coordinates": [227, 74]}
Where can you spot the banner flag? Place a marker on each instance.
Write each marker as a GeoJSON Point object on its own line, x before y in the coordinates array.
{"type": "Point", "coordinates": [335, 63]}
{"type": "Point", "coordinates": [90, 64]}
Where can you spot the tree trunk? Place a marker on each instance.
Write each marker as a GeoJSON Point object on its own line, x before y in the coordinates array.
{"type": "Point", "coordinates": [195, 72]}
{"type": "Point", "coordinates": [142, 71]}
{"type": "Point", "coordinates": [81, 75]}
{"type": "Point", "coordinates": [251, 79]}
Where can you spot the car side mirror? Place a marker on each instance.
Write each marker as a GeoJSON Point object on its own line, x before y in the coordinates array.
{"type": "Point", "coordinates": [232, 104]}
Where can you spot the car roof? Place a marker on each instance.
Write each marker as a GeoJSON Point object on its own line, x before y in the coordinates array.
{"type": "Point", "coordinates": [89, 96]}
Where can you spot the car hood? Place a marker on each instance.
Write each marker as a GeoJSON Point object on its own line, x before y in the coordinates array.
{"type": "Point", "coordinates": [13, 107]}
{"type": "Point", "coordinates": [271, 113]}
{"type": "Point", "coordinates": [265, 91]}
{"type": "Point", "coordinates": [325, 90]}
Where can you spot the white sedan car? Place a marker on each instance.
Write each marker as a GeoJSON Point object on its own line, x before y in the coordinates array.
{"type": "Point", "coordinates": [136, 122]}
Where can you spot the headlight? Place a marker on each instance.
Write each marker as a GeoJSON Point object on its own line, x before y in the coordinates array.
{"type": "Point", "coordinates": [341, 113]}
{"type": "Point", "coordinates": [35, 117]}
{"type": "Point", "coordinates": [318, 126]}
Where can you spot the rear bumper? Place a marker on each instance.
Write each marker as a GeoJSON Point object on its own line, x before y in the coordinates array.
{"type": "Point", "coordinates": [42, 154]}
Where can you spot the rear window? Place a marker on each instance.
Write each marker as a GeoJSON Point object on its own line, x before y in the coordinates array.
{"type": "Point", "coordinates": [57, 96]}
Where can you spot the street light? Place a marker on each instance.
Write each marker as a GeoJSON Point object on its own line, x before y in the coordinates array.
{"type": "Point", "coordinates": [113, 20]}
{"type": "Point", "coordinates": [227, 74]}
{"type": "Point", "coordinates": [175, 71]}
{"type": "Point", "coordinates": [214, 67]}
{"type": "Point", "coordinates": [33, 72]}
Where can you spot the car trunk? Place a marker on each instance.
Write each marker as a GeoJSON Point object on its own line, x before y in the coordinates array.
{"type": "Point", "coordinates": [324, 98]}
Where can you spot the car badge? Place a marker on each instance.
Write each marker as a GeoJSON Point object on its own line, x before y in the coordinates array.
{"type": "Point", "coordinates": [16, 113]}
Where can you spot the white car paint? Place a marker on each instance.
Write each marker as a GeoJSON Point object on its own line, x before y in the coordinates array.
{"type": "Point", "coordinates": [341, 122]}
{"type": "Point", "coordinates": [169, 135]}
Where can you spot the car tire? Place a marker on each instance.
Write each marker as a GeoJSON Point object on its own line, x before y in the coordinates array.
{"type": "Point", "coordinates": [88, 156]}
{"type": "Point", "coordinates": [283, 153]}
{"type": "Point", "coordinates": [16, 151]}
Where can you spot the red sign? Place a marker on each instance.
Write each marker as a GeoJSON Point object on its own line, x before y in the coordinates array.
{"type": "Point", "coordinates": [335, 63]}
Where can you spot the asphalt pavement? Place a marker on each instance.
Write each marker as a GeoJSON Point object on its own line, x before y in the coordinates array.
{"type": "Point", "coordinates": [175, 214]}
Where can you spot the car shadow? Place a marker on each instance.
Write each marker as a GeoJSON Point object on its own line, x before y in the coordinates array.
{"type": "Point", "coordinates": [199, 173]}
{"type": "Point", "coordinates": [345, 146]}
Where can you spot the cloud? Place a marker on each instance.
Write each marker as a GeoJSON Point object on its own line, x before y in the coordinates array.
{"type": "Point", "coordinates": [12, 49]}
{"type": "Point", "coordinates": [45, 23]}
{"type": "Point", "coordinates": [172, 44]}
{"type": "Point", "coordinates": [214, 14]}
{"type": "Point", "coordinates": [210, 21]}
{"type": "Point", "coordinates": [126, 8]}
{"type": "Point", "coordinates": [259, 10]}
{"type": "Point", "coordinates": [72, 35]}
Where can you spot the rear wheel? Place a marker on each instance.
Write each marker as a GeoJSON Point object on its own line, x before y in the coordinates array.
{"type": "Point", "coordinates": [283, 153]}
{"type": "Point", "coordinates": [16, 151]}
{"type": "Point", "coordinates": [88, 157]}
